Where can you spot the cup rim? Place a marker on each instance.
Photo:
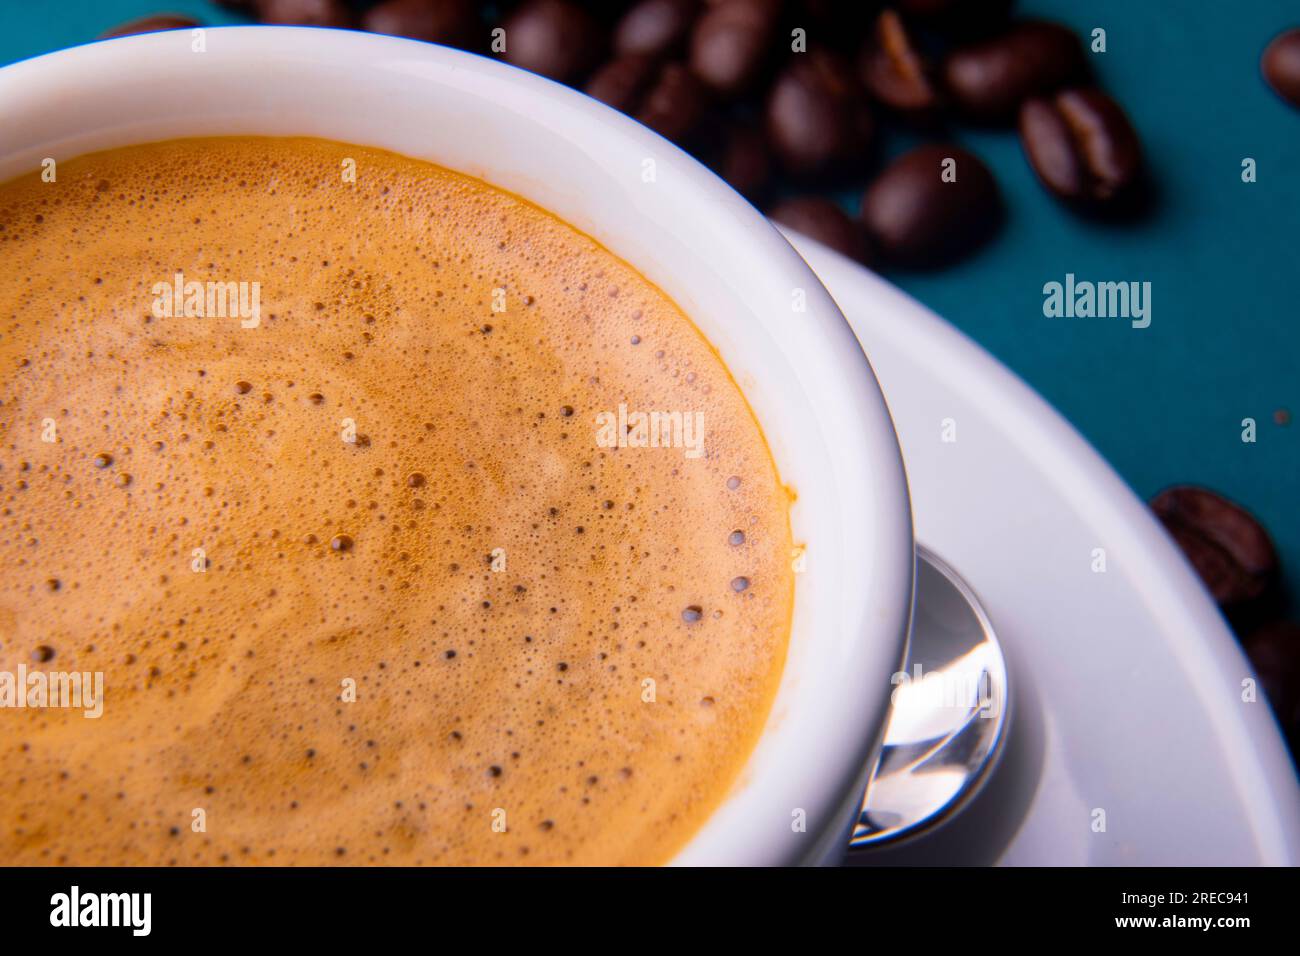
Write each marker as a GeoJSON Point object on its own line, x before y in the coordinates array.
{"type": "Point", "coordinates": [821, 736]}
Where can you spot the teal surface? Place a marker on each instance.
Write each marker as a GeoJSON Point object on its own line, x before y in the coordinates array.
{"type": "Point", "coordinates": [1164, 404]}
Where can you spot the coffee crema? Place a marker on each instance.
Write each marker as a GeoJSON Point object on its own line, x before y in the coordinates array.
{"type": "Point", "coordinates": [363, 583]}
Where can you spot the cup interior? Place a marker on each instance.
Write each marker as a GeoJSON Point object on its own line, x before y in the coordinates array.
{"type": "Point", "coordinates": [732, 273]}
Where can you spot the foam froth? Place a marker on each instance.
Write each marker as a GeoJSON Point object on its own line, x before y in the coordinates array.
{"type": "Point", "coordinates": [494, 583]}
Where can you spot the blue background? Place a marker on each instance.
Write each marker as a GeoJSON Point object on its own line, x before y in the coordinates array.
{"type": "Point", "coordinates": [1163, 404]}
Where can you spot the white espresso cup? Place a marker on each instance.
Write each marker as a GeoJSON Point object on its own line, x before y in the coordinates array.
{"type": "Point", "coordinates": [731, 272]}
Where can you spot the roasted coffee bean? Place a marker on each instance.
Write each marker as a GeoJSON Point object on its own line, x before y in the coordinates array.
{"type": "Point", "coordinates": [732, 42]}
{"type": "Point", "coordinates": [607, 13]}
{"type": "Point", "coordinates": [894, 70]}
{"type": "Point", "coordinates": [307, 13]}
{"type": "Point", "coordinates": [737, 151]}
{"type": "Point", "coordinates": [1229, 549]}
{"type": "Point", "coordinates": [621, 82]}
{"type": "Point", "coordinates": [931, 206]}
{"type": "Point", "coordinates": [1281, 66]}
{"type": "Point", "coordinates": [744, 160]}
{"type": "Point", "coordinates": [149, 25]}
{"type": "Point", "coordinates": [1082, 146]}
{"type": "Point", "coordinates": [1274, 652]}
{"type": "Point", "coordinates": [555, 38]}
{"type": "Point", "coordinates": [449, 22]}
{"type": "Point", "coordinates": [666, 97]}
{"type": "Point", "coordinates": [655, 27]}
{"type": "Point", "coordinates": [959, 16]}
{"type": "Point", "coordinates": [675, 103]}
{"type": "Point", "coordinates": [837, 23]}
{"type": "Point", "coordinates": [817, 116]}
{"type": "Point", "coordinates": [989, 79]}
{"type": "Point", "coordinates": [821, 219]}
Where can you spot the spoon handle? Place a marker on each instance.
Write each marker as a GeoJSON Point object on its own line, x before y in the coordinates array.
{"type": "Point", "coordinates": [948, 714]}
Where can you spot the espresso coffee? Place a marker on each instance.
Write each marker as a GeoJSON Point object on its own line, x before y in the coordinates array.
{"type": "Point", "coordinates": [405, 523]}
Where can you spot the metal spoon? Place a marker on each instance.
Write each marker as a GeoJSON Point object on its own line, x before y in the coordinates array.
{"type": "Point", "coordinates": [949, 716]}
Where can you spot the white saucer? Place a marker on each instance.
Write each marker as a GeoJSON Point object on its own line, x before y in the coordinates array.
{"type": "Point", "coordinates": [1126, 684]}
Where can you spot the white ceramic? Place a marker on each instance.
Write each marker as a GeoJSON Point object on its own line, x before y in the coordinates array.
{"type": "Point", "coordinates": [1127, 684]}
{"type": "Point", "coordinates": [803, 371]}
